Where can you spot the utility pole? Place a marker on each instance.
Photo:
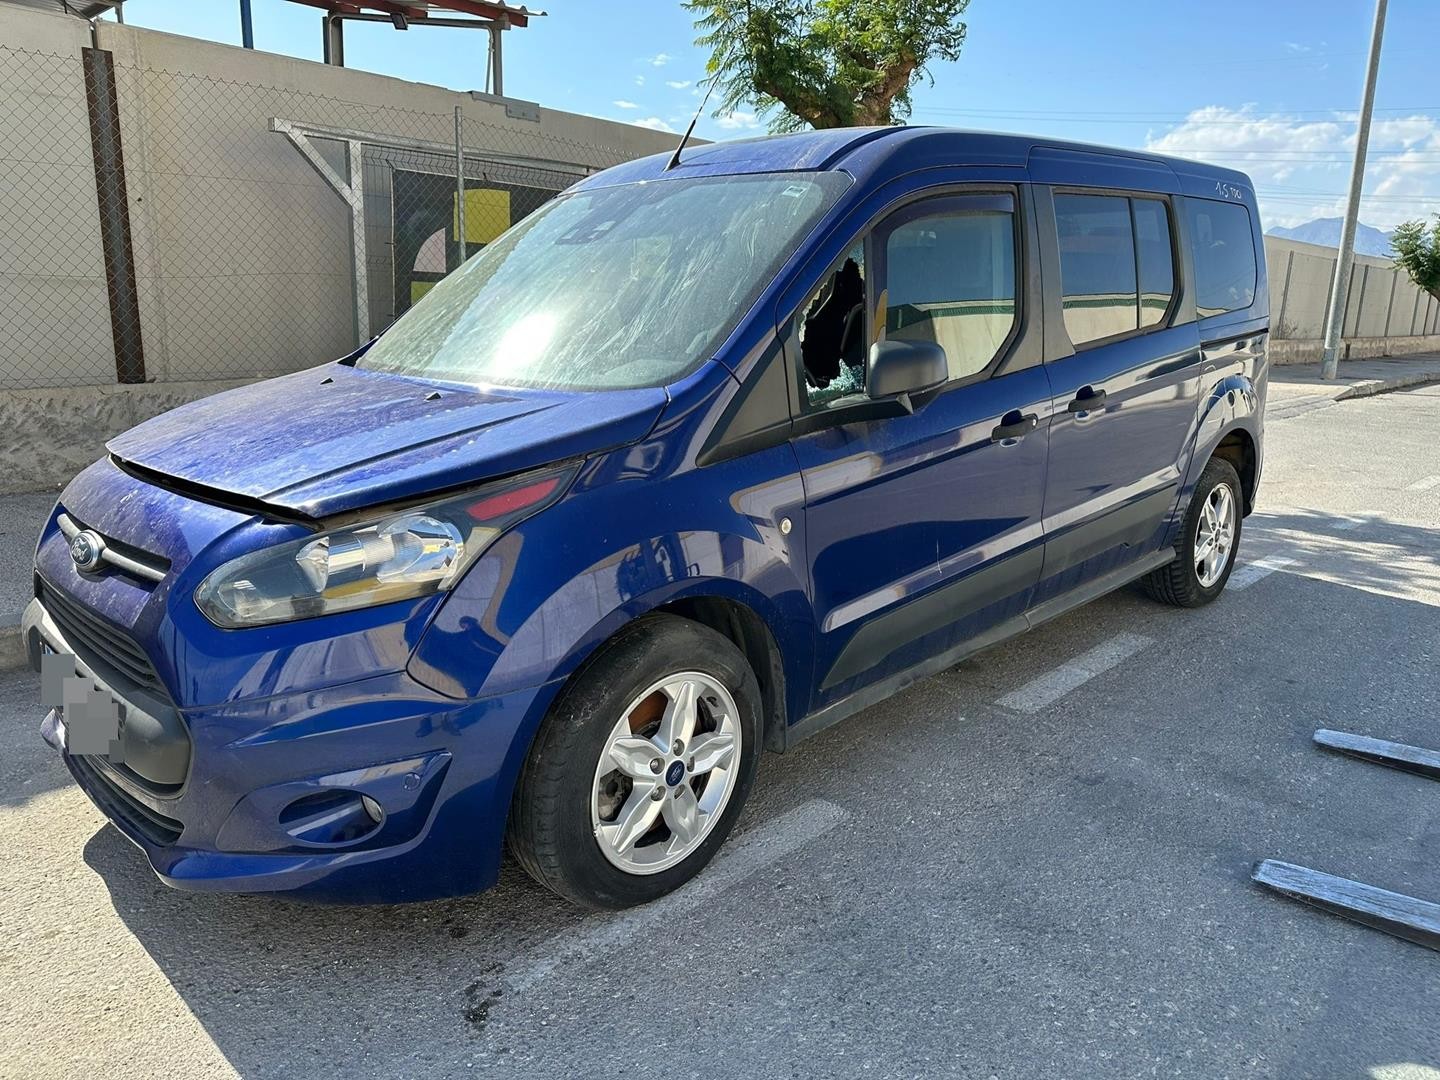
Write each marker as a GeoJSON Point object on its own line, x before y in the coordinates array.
{"type": "Point", "coordinates": [1335, 326]}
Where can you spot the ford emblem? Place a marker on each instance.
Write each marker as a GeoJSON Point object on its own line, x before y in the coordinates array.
{"type": "Point", "coordinates": [87, 549]}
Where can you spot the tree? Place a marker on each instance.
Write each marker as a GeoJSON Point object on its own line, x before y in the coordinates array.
{"type": "Point", "coordinates": [1418, 254]}
{"type": "Point", "coordinates": [825, 63]}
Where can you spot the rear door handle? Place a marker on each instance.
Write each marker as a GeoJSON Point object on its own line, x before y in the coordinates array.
{"type": "Point", "coordinates": [1088, 398]}
{"type": "Point", "coordinates": [1014, 426]}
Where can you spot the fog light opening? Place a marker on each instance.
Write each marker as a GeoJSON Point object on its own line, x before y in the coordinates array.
{"type": "Point", "coordinates": [331, 817]}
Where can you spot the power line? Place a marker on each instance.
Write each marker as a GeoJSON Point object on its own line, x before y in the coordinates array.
{"type": "Point", "coordinates": [1096, 117]}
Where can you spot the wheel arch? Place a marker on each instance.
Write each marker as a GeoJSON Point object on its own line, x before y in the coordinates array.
{"type": "Point", "coordinates": [745, 629]}
{"type": "Point", "coordinates": [1237, 447]}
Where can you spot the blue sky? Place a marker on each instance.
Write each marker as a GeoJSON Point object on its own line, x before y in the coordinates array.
{"type": "Point", "coordinates": [1268, 86]}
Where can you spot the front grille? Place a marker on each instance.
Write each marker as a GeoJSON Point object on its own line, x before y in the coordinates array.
{"type": "Point", "coordinates": [117, 803]}
{"type": "Point", "coordinates": [97, 641]}
{"type": "Point", "coordinates": [117, 554]}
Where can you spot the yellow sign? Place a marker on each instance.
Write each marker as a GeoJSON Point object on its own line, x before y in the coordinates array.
{"type": "Point", "coordinates": [487, 214]}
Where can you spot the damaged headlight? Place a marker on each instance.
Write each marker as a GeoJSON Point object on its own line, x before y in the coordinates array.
{"type": "Point", "coordinates": [406, 554]}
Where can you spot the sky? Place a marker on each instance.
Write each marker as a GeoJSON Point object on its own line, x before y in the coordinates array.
{"type": "Point", "coordinates": [1267, 86]}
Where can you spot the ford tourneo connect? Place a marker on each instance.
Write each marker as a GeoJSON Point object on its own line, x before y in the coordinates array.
{"type": "Point", "coordinates": [689, 464]}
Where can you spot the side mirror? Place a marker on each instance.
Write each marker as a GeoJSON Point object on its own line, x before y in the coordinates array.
{"type": "Point", "coordinates": [899, 368]}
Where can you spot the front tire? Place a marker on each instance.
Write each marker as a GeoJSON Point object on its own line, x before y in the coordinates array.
{"type": "Point", "coordinates": [594, 818]}
{"type": "Point", "coordinates": [1205, 553]}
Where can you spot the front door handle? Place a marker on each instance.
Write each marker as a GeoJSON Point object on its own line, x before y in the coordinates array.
{"type": "Point", "coordinates": [1014, 426]}
{"type": "Point", "coordinates": [1086, 399]}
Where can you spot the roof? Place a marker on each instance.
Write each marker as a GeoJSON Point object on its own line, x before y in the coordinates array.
{"type": "Point", "coordinates": [418, 10]}
{"type": "Point", "coordinates": [879, 153]}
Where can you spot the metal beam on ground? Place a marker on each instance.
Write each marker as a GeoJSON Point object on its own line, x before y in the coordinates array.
{"type": "Point", "coordinates": [1395, 913]}
{"type": "Point", "coordinates": [1413, 759]}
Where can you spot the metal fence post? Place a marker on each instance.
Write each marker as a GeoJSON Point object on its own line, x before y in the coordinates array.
{"type": "Point", "coordinates": [1390, 303]}
{"type": "Point", "coordinates": [104, 108]}
{"type": "Point", "coordinates": [355, 158]}
{"type": "Point", "coordinates": [1284, 292]}
{"type": "Point", "coordinates": [460, 181]}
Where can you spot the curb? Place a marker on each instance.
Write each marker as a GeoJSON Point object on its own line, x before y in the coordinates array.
{"type": "Point", "coordinates": [1371, 387]}
{"type": "Point", "coordinates": [13, 656]}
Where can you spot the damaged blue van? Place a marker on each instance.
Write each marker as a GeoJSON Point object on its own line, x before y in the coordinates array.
{"type": "Point", "coordinates": [689, 464]}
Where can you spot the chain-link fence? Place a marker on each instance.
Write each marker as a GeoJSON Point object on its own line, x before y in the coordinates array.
{"type": "Point", "coordinates": [170, 226]}
{"type": "Point", "coordinates": [53, 287]}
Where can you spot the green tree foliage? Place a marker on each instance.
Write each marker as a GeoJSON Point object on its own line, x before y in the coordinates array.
{"type": "Point", "coordinates": [1417, 252]}
{"type": "Point", "coordinates": [825, 63]}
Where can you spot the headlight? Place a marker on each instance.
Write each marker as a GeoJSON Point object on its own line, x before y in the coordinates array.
{"type": "Point", "coordinates": [409, 553]}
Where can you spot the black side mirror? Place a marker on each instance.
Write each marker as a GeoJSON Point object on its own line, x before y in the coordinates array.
{"type": "Point", "coordinates": [898, 368]}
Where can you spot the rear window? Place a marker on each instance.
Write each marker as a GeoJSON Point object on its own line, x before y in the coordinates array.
{"type": "Point", "coordinates": [1224, 252]}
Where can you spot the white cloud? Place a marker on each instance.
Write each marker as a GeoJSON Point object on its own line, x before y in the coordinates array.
{"type": "Point", "coordinates": [738, 121]}
{"type": "Point", "coordinates": [654, 123]}
{"type": "Point", "coordinates": [677, 84]}
{"type": "Point", "coordinates": [660, 59]}
{"type": "Point", "coordinates": [1269, 148]}
{"type": "Point", "coordinates": [639, 80]}
{"type": "Point", "coordinates": [1301, 167]}
{"type": "Point", "coordinates": [623, 104]}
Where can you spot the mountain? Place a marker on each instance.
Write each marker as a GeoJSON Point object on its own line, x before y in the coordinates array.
{"type": "Point", "coordinates": [1326, 231]}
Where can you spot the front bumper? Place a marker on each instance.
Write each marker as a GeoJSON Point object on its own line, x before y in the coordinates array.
{"type": "Point", "coordinates": [375, 790]}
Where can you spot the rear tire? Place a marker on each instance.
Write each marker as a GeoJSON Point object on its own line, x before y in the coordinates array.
{"type": "Point", "coordinates": [592, 818]}
{"type": "Point", "coordinates": [1198, 574]}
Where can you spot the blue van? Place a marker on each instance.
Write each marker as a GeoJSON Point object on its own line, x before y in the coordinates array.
{"type": "Point", "coordinates": [689, 464]}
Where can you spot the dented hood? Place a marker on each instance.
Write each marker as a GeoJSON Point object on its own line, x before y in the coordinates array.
{"type": "Point", "coordinates": [336, 438]}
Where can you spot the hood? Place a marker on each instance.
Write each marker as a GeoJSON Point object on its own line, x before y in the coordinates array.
{"type": "Point", "coordinates": [335, 438]}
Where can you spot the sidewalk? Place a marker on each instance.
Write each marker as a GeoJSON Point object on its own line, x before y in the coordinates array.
{"type": "Point", "coordinates": [1298, 388]}
{"type": "Point", "coordinates": [1294, 389]}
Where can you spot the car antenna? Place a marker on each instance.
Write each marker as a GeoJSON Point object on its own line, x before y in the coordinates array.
{"type": "Point", "coordinates": [675, 157]}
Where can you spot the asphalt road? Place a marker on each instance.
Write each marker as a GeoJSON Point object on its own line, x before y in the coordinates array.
{"type": "Point", "coordinates": [1034, 865]}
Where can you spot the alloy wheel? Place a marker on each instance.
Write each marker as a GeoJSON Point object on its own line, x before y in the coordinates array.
{"type": "Point", "coordinates": [665, 773]}
{"type": "Point", "coordinates": [1214, 535]}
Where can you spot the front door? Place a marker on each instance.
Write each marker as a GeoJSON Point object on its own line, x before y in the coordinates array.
{"type": "Point", "coordinates": [923, 528]}
{"type": "Point", "coordinates": [1125, 402]}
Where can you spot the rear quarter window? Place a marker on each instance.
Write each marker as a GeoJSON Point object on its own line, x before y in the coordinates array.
{"type": "Point", "coordinates": [1223, 248]}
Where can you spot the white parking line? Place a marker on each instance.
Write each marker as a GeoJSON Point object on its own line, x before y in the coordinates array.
{"type": "Point", "coordinates": [1425, 483]}
{"type": "Point", "coordinates": [1250, 573]}
{"type": "Point", "coordinates": [745, 856]}
{"type": "Point", "coordinates": [1053, 685]}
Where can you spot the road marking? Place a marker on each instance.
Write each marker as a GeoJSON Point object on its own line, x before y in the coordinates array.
{"type": "Point", "coordinates": [1053, 685]}
{"type": "Point", "coordinates": [749, 854]}
{"type": "Point", "coordinates": [1425, 483]}
{"type": "Point", "coordinates": [1347, 524]}
{"type": "Point", "coordinates": [1250, 573]}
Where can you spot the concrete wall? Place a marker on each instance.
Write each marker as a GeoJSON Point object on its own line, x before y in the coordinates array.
{"type": "Point", "coordinates": [1385, 313]}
